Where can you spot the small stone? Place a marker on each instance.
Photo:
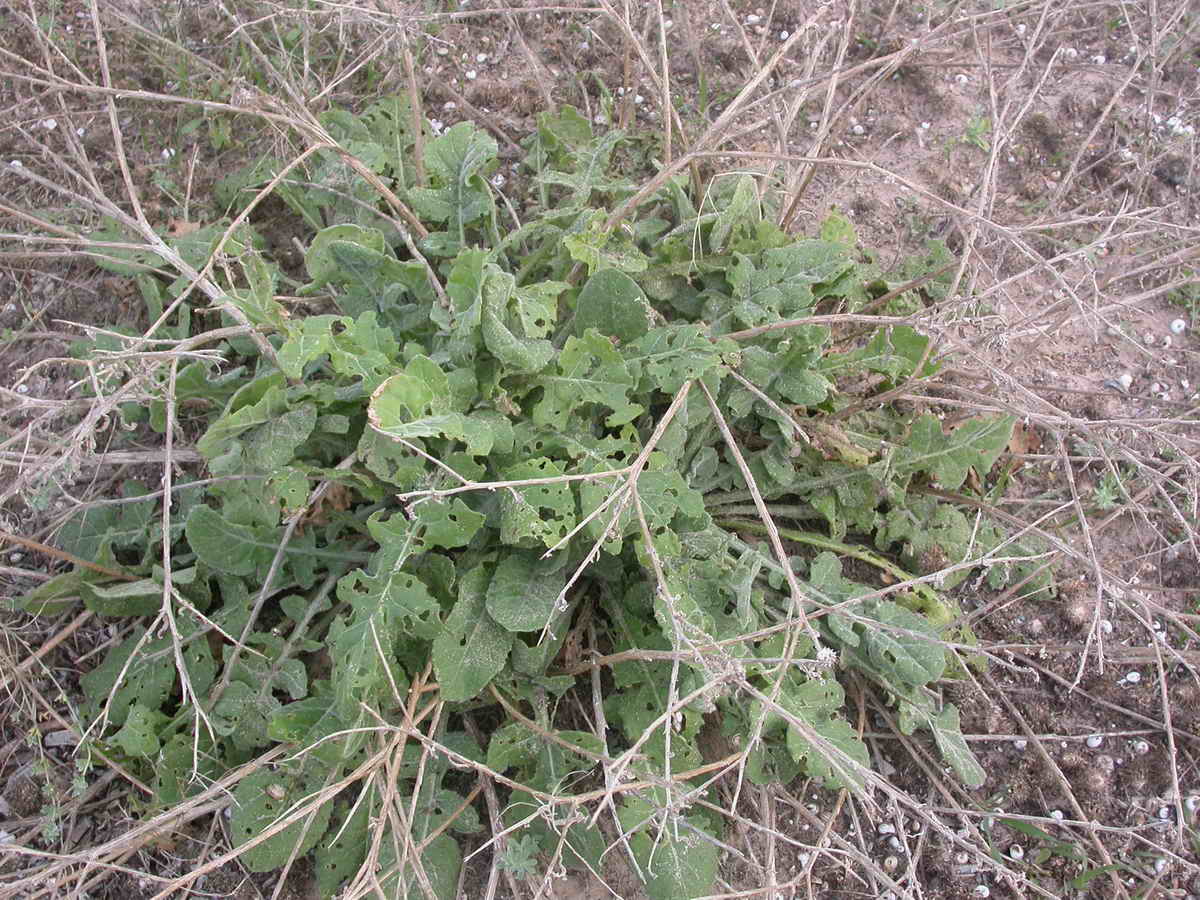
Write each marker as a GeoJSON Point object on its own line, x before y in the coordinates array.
{"type": "Point", "coordinates": [1133, 677]}
{"type": "Point", "coordinates": [1125, 380]}
{"type": "Point", "coordinates": [1094, 741]}
{"type": "Point", "coordinates": [1178, 326]}
{"type": "Point", "coordinates": [1056, 815]}
{"type": "Point", "coordinates": [859, 130]}
{"type": "Point", "coordinates": [1020, 743]}
{"type": "Point", "coordinates": [60, 739]}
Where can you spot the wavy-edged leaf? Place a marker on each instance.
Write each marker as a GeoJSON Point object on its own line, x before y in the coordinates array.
{"type": "Point", "coordinates": [612, 303]}
{"type": "Point", "coordinates": [536, 513]}
{"type": "Point", "coordinates": [523, 590]}
{"type": "Point", "coordinates": [975, 444]}
{"type": "Point", "coordinates": [471, 649]}
{"type": "Point", "coordinates": [678, 856]}
{"type": "Point", "coordinates": [590, 370]}
{"type": "Point", "coordinates": [263, 798]}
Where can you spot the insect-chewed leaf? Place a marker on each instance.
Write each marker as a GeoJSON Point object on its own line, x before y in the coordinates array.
{"type": "Point", "coordinates": [668, 356]}
{"type": "Point", "coordinates": [590, 370]}
{"type": "Point", "coordinates": [536, 513]}
{"type": "Point", "coordinates": [343, 848]}
{"type": "Point", "coordinates": [144, 681]}
{"type": "Point", "coordinates": [904, 646]}
{"type": "Point", "coordinates": [258, 804]}
{"type": "Point", "coordinates": [450, 524]}
{"type": "Point", "coordinates": [471, 649]}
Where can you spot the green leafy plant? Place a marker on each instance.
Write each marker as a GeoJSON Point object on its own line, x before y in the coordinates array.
{"type": "Point", "coordinates": [486, 446]}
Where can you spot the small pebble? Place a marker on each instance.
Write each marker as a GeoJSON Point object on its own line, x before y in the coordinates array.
{"type": "Point", "coordinates": [1141, 748]}
{"type": "Point", "coordinates": [783, 35]}
{"type": "Point", "coordinates": [1056, 815]}
{"type": "Point", "coordinates": [1133, 677]}
{"type": "Point", "coordinates": [1021, 29]}
{"type": "Point", "coordinates": [1094, 741]}
{"type": "Point", "coordinates": [1125, 381]}
{"type": "Point", "coordinates": [1020, 743]}
{"type": "Point", "coordinates": [61, 739]}
{"type": "Point", "coordinates": [858, 129]}
{"type": "Point", "coordinates": [887, 828]}
{"type": "Point", "coordinates": [1178, 326]}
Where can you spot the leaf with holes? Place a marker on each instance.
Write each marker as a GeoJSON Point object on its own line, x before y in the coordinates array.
{"type": "Point", "coordinates": [471, 649]}
{"type": "Point", "coordinates": [590, 370]}
{"type": "Point", "coordinates": [265, 798]}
